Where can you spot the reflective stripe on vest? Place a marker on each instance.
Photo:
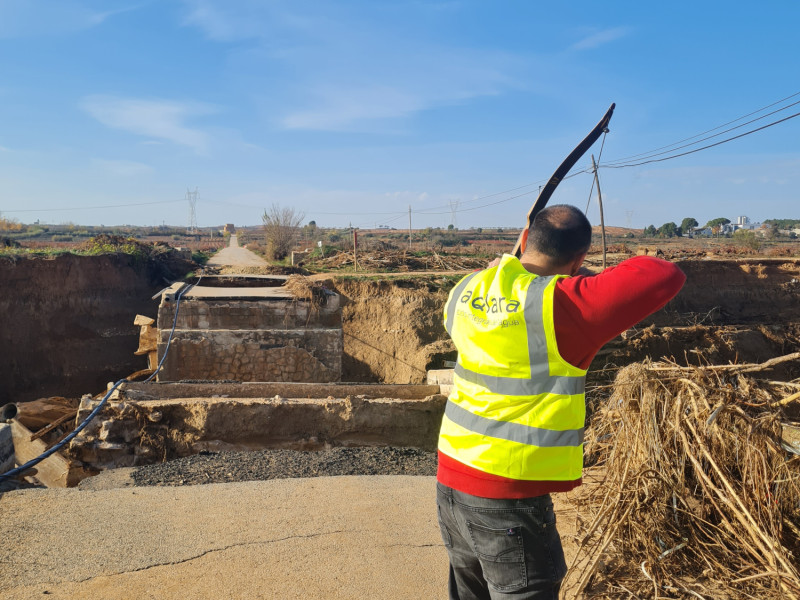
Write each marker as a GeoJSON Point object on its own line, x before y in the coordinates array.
{"type": "Point", "coordinates": [528, 426]}
{"type": "Point", "coordinates": [513, 432]}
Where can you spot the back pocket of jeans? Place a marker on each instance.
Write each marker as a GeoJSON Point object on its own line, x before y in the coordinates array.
{"type": "Point", "coordinates": [502, 556]}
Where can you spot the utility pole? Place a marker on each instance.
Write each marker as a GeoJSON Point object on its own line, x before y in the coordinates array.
{"type": "Point", "coordinates": [600, 202]}
{"type": "Point", "coordinates": [454, 213]}
{"type": "Point", "coordinates": [409, 228]}
{"type": "Point", "coordinates": [355, 248]}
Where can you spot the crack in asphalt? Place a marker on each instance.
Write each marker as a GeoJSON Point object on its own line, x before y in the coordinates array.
{"type": "Point", "coordinates": [211, 551]}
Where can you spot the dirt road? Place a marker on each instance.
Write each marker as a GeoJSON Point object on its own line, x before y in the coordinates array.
{"type": "Point", "coordinates": [235, 256]}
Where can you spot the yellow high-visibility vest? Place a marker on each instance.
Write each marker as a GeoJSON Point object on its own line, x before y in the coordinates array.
{"type": "Point", "coordinates": [517, 408]}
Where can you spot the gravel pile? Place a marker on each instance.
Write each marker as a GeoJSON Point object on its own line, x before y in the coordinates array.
{"type": "Point", "coordinates": [226, 467]}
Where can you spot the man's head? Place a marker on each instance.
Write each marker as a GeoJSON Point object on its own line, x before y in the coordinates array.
{"type": "Point", "coordinates": [560, 234]}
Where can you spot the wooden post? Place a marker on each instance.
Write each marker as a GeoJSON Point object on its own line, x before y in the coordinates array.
{"type": "Point", "coordinates": [409, 228]}
{"type": "Point", "coordinates": [355, 250]}
{"type": "Point", "coordinates": [600, 202]}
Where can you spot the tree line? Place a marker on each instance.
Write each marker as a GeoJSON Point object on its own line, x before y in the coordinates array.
{"type": "Point", "coordinates": [690, 224]}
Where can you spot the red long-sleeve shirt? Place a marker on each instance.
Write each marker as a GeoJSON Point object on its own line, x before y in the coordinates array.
{"type": "Point", "coordinates": [588, 311]}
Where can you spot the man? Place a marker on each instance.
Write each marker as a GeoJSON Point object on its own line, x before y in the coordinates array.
{"type": "Point", "coordinates": [526, 331]}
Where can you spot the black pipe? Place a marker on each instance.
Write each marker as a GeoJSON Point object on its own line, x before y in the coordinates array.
{"type": "Point", "coordinates": [9, 411]}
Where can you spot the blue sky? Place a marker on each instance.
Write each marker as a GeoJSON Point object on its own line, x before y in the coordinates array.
{"type": "Point", "coordinates": [352, 111]}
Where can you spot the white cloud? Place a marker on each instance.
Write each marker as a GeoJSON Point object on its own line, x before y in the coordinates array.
{"type": "Point", "coordinates": [326, 69]}
{"type": "Point", "coordinates": [230, 21]}
{"type": "Point", "coordinates": [24, 18]}
{"type": "Point", "coordinates": [599, 38]}
{"type": "Point", "coordinates": [159, 119]}
{"type": "Point", "coordinates": [344, 93]}
{"type": "Point", "coordinates": [123, 168]}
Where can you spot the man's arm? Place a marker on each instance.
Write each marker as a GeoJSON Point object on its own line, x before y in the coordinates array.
{"type": "Point", "coordinates": [590, 311]}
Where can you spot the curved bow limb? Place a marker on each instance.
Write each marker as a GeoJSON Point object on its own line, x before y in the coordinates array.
{"type": "Point", "coordinates": [561, 172]}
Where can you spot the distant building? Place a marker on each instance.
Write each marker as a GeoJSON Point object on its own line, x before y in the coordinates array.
{"type": "Point", "coordinates": [742, 222]}
{"type": "Point", "coordinates": [229, 228]}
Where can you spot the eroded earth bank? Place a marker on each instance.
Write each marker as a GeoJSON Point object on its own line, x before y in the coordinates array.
{"type": "Point", "coordinates": [68, 330]}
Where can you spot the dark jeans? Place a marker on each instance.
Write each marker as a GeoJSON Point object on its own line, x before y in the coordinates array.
{"type": "Point", "coordinates": [500, 549]}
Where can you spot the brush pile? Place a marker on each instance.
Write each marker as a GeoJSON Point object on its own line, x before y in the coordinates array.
{"type": "Point", "coordinates": [700, 496]}
{"type": "Point", "coordinates": [400, 261]}
{"type": "Point", "coordinates": [303, 288]}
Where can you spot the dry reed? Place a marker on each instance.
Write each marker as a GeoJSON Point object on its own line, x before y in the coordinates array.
{"type": "Point", "coordinates": [304, 288]}
{"type": "Point", "coordinates": [699, 499]}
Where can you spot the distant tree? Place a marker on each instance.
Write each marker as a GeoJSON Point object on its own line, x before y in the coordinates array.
{"type": "Point", "coordinates": [10, 225]}
{"type": "Point", "coordinates": [668, 230]}
{"type": "Point", "coordinates": [310, 230]}
{"type": "Point", "coordinates": [783, 223]}
{"type": "Point", "coordinates": [450, 227]}
{"type": "Point", "coordinates": [688, 224]}
{"type": "Point", "coordinates": [774, 230]}
{"type": "Point", "coordinates": [718, 222]}
{"type": "Point", "coordinates": [479, 230]}
{"type": "Point", "coordinates": [748, 239]}
{"type": "Point", "coordinates": [281, 230]}
{"type": "Point", "coordinates": [649, 231]}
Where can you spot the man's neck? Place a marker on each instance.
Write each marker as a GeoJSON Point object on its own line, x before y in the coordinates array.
{"type": "Point", "coordinates": [541, 265]}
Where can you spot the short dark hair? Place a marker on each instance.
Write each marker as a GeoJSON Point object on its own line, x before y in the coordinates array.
{"type": "Point", "coordinates": [561, 232]}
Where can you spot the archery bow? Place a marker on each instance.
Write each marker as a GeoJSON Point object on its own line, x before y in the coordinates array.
{"type": "Point", "coordinates": [561, 172]}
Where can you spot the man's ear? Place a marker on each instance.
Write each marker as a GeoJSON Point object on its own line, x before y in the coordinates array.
{"type": "Point", "coordinates": [524, 243]}
{"type": "Point", "coordinates": [577, 263]}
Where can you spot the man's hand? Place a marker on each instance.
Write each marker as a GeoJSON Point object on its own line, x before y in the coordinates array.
{"type": "Point", "coordinates": [494, 263]}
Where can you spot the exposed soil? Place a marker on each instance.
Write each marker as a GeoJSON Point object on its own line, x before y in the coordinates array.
{"type": "Point", "coordinates": [393, 330]}
{"type": "Point", "coordinates": [67, 326]}
{"type": "Point", "coordinates": [225, 467]}
{"type": "Point", "coordinates": [73, 341]}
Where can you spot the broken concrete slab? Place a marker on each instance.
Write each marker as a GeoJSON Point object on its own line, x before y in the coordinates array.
{"type": "Point", "coordinates": [54, 471]}
{"type": "Point", "coordinates": [148, 423]}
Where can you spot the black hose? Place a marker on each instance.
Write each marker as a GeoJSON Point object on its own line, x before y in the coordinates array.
{"type": "Point", "coordinates": [35, 461]}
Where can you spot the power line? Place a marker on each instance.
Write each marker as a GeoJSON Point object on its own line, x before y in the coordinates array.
{"type": "Point", "coordinates": [93, 207]}
{"type": "Point", "coordinates": [344, 214]}
{"type": "Point", "coordinates": [725, 141]}
{"type": "Point", "coordinates": [641, 154]}
{"type": "Point", "coordinates": [654, 154]}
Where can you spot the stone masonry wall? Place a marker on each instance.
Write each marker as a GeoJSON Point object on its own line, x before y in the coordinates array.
{"type": "Point", "coordinates": [232, 314]}
{"type": "Point", "coordinates": [312, 355]}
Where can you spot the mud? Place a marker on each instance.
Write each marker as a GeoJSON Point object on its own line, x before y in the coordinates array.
{"type": "Point", "coordinates": [735, 292]}
{"type": "Point", "coordinates": [393, 331]}
{"type": "Point", "coordinates": [67, 322]}
{"type": "Point", "coordinates": [728, 311]}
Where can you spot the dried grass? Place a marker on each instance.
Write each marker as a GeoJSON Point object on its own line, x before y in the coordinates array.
{"type": "Point", "coordinates": [304, 288]}
{"type": "Point", "coordinates": [400, 261]}
{"type": "Point", "coordinates": [699, 499]}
